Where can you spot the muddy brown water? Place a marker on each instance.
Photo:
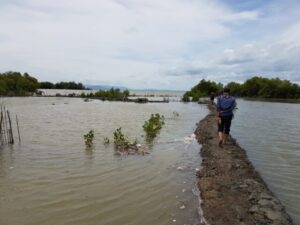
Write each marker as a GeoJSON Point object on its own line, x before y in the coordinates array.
{"type": "Point", "coordinates": [50, 178]}
{"type": "Point", "coordinates": [270, 133]}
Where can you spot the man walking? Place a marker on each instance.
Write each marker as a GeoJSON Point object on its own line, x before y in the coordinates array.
{"type": "Point", "coordinates": [225, 106]}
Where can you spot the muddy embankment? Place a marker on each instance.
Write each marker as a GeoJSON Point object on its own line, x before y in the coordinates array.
{"type": "Point", "coordinates": [232, 192]}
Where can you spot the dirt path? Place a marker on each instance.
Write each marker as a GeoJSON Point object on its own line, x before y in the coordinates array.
{"type": "Point", "coordinates": [232, 192]}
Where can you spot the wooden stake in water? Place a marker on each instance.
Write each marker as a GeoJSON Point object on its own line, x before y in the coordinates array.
{"type": "Point", "coordinates": [1, 130]}
{"type": "Point", "coordinates": [6, 137]}
{"type": "Point", "coordinates": [11, 141]}
{"type": "Point", "coordinates": [6, 131]}
{"type": "Point", "coordinates": [18, 128]}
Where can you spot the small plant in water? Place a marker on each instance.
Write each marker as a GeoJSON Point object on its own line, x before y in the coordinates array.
{"type": "Point", "coordinates": [120, 139]}
{"type": "Point", "coordinates": [125, 146]}
{"type": "Point", "coordinates": [175, 114]}
{"type": "Point", "coordinates": [89, 138]}
{"type": "Point", "coordinates": [106, 141]}
{"type": "Point", "coordinates": [153, 125]}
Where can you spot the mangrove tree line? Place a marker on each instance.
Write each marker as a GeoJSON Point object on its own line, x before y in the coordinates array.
{"type": "Point", "coordinates": [255, 87]}
{"type": "Point", "coordinates": [18, 84]}
{"type": "Point", "coordinates": [15, 83]}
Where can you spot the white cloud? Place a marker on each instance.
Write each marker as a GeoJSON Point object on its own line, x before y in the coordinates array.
{"type": "Point", "coordinates": [141, 44]}
{"type": "Point", "coordinates": [291, 36]}
{"type": "Point", "coordinates": [273, 59]}
{"type": "Point", "coordinates": [239, 17]}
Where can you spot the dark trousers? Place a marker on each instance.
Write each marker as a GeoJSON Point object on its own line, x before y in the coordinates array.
{"type": "Point", "coordinates": [225, 124]}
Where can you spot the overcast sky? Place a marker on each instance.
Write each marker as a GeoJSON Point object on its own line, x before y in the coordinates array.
{"type": "Point", "coordinates": [160, 44]}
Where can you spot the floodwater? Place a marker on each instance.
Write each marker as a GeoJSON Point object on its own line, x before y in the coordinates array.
{"type": "Point", "coordinates": [270, 133]}
{"type": "Point", "coordinates": [51, 178]}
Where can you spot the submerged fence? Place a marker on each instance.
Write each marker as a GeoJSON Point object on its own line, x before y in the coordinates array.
{"type": "Point", "coordinates": [6, 131]}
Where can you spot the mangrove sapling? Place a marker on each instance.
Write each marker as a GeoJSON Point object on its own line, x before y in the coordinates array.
{"type": "Point", "coordinates": [120, 139]}
{"type": "Point", "coordinates": [153, 125]}
{"type": "Point", "coordinates": [124, 145]}
{"type": "Point", "coordinates": [106, 141]}
{"type": "Point", "coordinates": [89, 138]}
{"type": "Point", "coordinates": [175, 114]}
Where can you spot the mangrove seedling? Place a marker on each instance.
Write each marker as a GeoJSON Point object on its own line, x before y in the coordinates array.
{"type": "Point", "coordinates": [106, 141]}
{"type": "Point", "coordinates": [175, 114]}
{"type": "Point", "coordinates": [125, 146]}
{"type": "Point", "coordinates": [89, 138]}
{"type": "Point", "coordinates": [153, 125]}
{"type": "Point", "coordinates": [120, 139]}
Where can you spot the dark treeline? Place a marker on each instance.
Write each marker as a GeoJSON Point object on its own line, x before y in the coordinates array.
{"type": "Point", "coordinates": [255, 87]}
{"type": "Point", "coordinates": [265, 88]}
{"type": "Point", "coordinates": [17, 84]}
{"type": "Point", "coordinates": [62, 85]}
{"type": "Point", "coordinates": [203, 89]}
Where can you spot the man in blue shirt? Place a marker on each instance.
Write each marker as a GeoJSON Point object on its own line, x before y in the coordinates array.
{"type": "Point", "coordinates": [225, 106]}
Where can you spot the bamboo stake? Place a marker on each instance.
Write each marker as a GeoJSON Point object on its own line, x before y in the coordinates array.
{"type": "Point", "coordinates": [18, 128]}
{"type": "Point", "coordinates": [1, 126]}
{"type": "Point", "coordinates": [5, 125]}
{"type": "Point", "coordinates": [10, 130]}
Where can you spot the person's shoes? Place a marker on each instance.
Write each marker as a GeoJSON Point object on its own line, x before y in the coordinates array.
{"type": "Point", "coordinates": [221, 144]}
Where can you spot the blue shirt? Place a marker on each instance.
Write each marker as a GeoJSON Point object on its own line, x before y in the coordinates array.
{"type": "Point", "coordinates": [225, 105]}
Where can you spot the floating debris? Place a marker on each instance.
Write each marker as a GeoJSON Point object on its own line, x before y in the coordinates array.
{"type": "Point", "coordinates": [179, 168]}
{"type": "Point", "coordinates": [189, 139]}
{"type": "Point", "coordinates": [131, 149]}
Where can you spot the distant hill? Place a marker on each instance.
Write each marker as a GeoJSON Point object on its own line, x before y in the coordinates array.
{"type": "Point", "coordinates": [103, 87]}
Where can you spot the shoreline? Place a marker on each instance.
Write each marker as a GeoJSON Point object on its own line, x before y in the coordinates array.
{"type": "Point", "coordinates": [231, 191]}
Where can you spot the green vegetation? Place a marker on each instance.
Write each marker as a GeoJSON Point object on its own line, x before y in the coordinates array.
{"type": "Point", "coordinates": [266, 88]}
{"type": "Point", "coordinates": [203, 89]}
{"type": "Point", "coordinates": [106, 141]}
{"type": "Point", "coordinates": [175, 114]}
{"type": "Point", "coordinates": [124, 146]}
{"type": "Point", "coordinates": [18, 84]}
{"type": "Point", "coordinates": [255, 87]}
{"type": "Point", "coordinates": [120, 139]}
{"type": "Point", "coordinates": [69, 85]}
{"type": "Point", "coordinates": [62, 85]}
{"type": "Point", "coordinates": [112, 94]}
{"type": "Point", "coordinates": [89, 138]}
{"type": "Point", "coordinates": [153, 125]}
{"type": "Point", "coordinates": [15, 83]}
{"type": "Point", "coordinates": [109, 95]}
